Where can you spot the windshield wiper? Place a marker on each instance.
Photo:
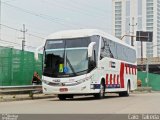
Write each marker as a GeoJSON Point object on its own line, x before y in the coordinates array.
{"type": "Point", "coordinates": [67, 60]}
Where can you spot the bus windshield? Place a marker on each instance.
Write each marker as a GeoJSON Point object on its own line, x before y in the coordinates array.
{"type": "Point", "coordinates": [66, 58]}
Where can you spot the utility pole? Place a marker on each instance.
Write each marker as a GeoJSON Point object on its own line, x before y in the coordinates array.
{"type": "Point", "coordinates": [24, 37]}
{"type": "Point", "coordinates": [132, 25]}
{"type": "Point", "coordinates": [0, 18]}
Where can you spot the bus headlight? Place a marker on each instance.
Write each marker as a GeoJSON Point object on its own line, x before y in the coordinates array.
{"type": "Point", "coordinates": [46, 82]}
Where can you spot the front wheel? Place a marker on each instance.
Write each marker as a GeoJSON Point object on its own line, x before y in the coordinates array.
{"type": "Point", "coordinates": [61, 97]}
{"type": "Point", "coordinates": [101, 94]}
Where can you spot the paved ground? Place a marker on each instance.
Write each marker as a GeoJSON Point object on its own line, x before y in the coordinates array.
{"type": "Point", "coordinates": [136, 103]}
{"type": "Point", "coordinates": [20, 97]}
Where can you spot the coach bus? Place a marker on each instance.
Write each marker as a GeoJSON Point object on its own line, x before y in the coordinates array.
{"type": "Point", "coordinates": [88, 62]}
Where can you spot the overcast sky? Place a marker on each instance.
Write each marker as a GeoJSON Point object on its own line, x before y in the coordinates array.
{"type": "Point", "coordinates": [43, 17]}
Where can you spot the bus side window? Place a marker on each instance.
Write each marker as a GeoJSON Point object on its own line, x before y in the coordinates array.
{"type": "Point", "coordinates": [106, 49]}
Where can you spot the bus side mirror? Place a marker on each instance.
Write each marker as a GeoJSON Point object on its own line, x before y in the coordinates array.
{"type": "Point", "coordinates": [90, 48]}
{"type": "Point", "coordinates": [36, 52]}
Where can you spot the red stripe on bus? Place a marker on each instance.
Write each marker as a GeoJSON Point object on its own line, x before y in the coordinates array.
{"type": "Point", "coordinates": [129, 70]}
{"type": "Point", "coordinates": [118, 79]}
{"type": "Point", "coordinates": [110, 79]}
{"type": "Point", "coordinates": [132, 70]}
{"type": "Point", "coordinates": [135, 70]}
{"type": "Point", "coordinates": [106, 79]}
{"type": "Point", "coordinates": [122, 75]}
{"type": "Point", "coordinates": [114, 79]}
{"type": "Point", "coordinates": [126, 69]}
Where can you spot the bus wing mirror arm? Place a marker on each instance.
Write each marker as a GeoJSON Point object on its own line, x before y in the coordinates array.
{"type": "Point", "coordinates": [90, 48]}
{"type": "Point", "coordinates": [36, 51]}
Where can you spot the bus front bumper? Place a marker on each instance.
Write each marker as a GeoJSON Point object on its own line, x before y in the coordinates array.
{"type": "Point", "coordinates": [84, 88]}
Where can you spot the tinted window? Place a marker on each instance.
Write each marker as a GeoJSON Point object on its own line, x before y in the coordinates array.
{"type": "Point", "coordinates": [71, 43]}
{"type": "Point", "coordinates": [108, 49]}
{"type": "Point", "coordinates": [115, 50]}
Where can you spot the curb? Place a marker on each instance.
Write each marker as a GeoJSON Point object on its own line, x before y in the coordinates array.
{"type": "Point", "coordinates": [10, 98]}
{"type": "Point", "coordinates": [144, 89]}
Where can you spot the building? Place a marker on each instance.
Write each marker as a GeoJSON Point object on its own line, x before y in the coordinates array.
{"type": "Point", "coordinates": [130, 16]}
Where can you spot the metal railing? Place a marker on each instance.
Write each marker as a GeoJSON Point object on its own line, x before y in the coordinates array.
{"type": "Point", "coordinates": [19, 89]}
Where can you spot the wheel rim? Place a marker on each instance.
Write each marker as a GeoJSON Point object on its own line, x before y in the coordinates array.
{"type": "Point", "coordinates": [128, 89]}
{"type": "Point", "coordinates": [102, 90]}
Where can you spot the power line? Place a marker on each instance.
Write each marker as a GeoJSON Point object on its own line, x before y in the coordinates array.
{"type": "Point", "coordinates": [9, 42]}
{"type": "Point", "coordinates": [35, 36]}
{"type": "Point", "coordinates": [98, 10]}
{"type": "Point", "coordinates": [77, 8]}
{"type": "Point", "coordinates": [74, 9]}
{"type": "Point", "coordinates": [10, 27]}
{"type": "Point", "coordinates": [43, 16]}
{"type": "Point", "coordinates": [23, 37]}
{"type": "Point", "coordinates": [39, 33]}
{"type": "Point", "coordinates": [21, 31]}
{"type": "Point", "coordinates": [10, 0]}
{"type": "Point", "coordinates": [49, 18]}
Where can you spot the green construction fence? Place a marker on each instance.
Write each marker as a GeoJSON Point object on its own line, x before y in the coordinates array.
{"type": "Point", "coordinates": [153, 80]}
{"type": "Point", "coordinates": [17, 67]}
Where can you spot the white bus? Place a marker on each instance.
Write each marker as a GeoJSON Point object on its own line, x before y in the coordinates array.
{"type": "Point", "coordinates": [87, 62]}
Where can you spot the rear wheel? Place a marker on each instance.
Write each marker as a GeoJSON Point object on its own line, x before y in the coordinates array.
{"type": "Point", "coordinates": [125, 93]}
{"type": "Point", "coordinates": [101, 94]}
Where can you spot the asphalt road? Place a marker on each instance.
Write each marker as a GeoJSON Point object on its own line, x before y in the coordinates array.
{"type": "Point", "coordinates": [136, 103]}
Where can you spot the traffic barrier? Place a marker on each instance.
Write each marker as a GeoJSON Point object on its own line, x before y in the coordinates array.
{"type": "Point", "coordinates": [20, 89]}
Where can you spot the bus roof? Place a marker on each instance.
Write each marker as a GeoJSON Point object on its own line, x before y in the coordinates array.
{"type": "Point", "coordinates": [84, 33]}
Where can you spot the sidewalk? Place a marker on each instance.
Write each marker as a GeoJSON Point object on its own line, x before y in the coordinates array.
{"type": "Point", "coordinates": [20, 97]}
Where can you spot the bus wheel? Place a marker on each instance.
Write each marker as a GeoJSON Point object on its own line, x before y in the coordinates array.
{"type": "Point", "coordinates": [125, 93]}
{"type": "Point", "coordinates": [61, 97]}
{"type": "Point", "coordinates": [101, 94]}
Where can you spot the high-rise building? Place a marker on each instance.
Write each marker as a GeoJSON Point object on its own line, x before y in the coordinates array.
{"type": "Point", "coordinates": [130, 16]}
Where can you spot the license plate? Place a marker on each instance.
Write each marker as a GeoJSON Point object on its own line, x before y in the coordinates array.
{"type": "Point", "coordinates": [63, 89]}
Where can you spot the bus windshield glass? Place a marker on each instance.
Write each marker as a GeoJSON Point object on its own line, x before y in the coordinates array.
{"type": "Point", "coordinates": [67, 57]}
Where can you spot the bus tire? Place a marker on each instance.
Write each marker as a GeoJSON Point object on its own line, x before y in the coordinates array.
{"type": "Point", "coordinates": [62, 97]}
{"type": "Point", "coordinates": [125, 93]}
{"type": "Point", "coordinates": [101, 94]}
